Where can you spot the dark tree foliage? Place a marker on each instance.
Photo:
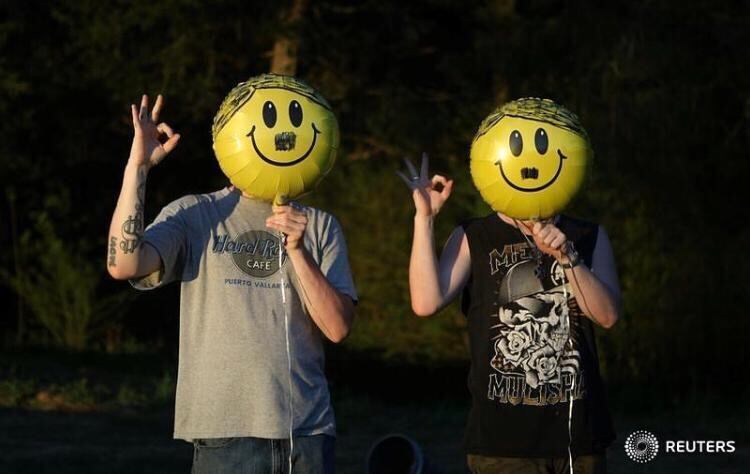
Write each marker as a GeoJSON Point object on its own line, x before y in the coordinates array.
{"type": "Point", "coordinates": [662, 88]}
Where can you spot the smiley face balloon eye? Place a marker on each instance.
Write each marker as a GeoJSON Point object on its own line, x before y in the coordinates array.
{"type": "Point", "coordinates": [269, 114]}
{"type": "Point", "coordinates": [516, 143]}
{"type": "Point", "coordinates": [295, 113]}
{"type": "Point", "coordinates": [541, 141]}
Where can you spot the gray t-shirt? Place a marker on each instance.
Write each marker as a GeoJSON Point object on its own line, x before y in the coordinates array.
{"type": "Point", "coordinates": [233, 377]}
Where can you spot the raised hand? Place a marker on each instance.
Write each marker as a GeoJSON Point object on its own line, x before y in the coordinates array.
{"type": "Point", "coordinates": [147, 148]}
{"type": "Point", "coordinates": [429, 194]}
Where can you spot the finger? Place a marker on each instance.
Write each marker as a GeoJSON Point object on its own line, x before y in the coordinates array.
{"type": "Point", "coordinates": [285, 227]}
{"type": "Point", "coordinates": [171, 144]}
{"type": "Point", "coordinates": [412, 170]}
{"type": "Point", "coordinates": [439, 179]}
{"type": "Point", "coordinates": [408, 181]}
{"type": "Point", "coordinates": [134, 113]}
{"type": "Point", "coordinates": [551, 236]}
{"type": "Point", "coordinates": [157, 108]}
{"type": "Point", "coordinates": [143, 113]}
{"type": "Point", "coordinates": [424, 171]}
{"type": "Point", "coordinates": [536, 228]}
{"type": "Point", "coordinates": [292, 215]}
{"type": "Point", "coordinates": [525, 226]}
{"type": "Point", "coordinates": [298, 218]}
{"type": "Point", "coordinates": [289, 214]}
{"type": "Point", "coordinates": [544, 232]}
{"type": "Point", "coordinates": [165, 129]}
{"type": "Point", "coordinates": [447, 189]}
{"type": "Point", "coordinates": [558, 242]}
{"type": "Point", "coordinates": [288, 209]}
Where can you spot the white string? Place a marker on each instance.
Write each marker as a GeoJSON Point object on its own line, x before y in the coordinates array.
{"type": "Point", "coordinates": [570, 341]}
{"type": "Point", "coordinates": [573, 385]}
{"type": "Point", "coordinates": [282, 237]}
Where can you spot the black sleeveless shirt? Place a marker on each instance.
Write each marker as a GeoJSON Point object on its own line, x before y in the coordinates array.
{"type": "Point", "coordinates": [532, 348]}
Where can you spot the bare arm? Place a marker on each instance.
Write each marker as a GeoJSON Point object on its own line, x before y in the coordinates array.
{"type": "Point", "coordinates": [331, 310]}
{"type": "Point", "coordinates": [433, 283]}
{"type": "Point", "coordinates": [596, 290]}
{"type": "Point", "coordinates": [126, 257]}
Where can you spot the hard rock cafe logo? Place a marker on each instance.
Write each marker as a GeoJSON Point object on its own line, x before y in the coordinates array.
{"type": "Point", "coordinates": [255, 252]}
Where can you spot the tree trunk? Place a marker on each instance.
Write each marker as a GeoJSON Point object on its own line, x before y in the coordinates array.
{"type": "Point", "coordinates": [284, 54]}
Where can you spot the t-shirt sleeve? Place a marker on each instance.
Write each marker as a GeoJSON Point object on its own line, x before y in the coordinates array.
{"type": "Point", "coordinates": [168, 235]}
{"type": "Point", "coordinates": [334, 259]}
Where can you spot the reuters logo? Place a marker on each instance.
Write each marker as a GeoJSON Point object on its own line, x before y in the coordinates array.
{"type": "Point", "coordinates": [641, 446]}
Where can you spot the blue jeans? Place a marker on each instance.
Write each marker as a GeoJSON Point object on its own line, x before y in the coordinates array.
{"type": "Point", "coordinates": [311, 455]}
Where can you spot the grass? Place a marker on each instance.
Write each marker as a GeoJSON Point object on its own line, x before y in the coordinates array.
{"type": "Point", "coordinates": [78, 382]}
{"type": "Point", "coordinates": [73, 414]}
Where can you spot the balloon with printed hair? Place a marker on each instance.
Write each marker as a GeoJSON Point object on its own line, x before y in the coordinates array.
{"type": "Point", "coordinates": [529, 158]}
{"type": "Point", "coordinates": [275, 137]}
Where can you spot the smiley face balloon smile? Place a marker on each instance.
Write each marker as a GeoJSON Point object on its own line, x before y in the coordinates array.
{"type": "Point", "coordinates": [529, 158]}
{"type": "Point", "coordinates": [284, 141]}
{"type": "Point", "coordinates": [275, 136]}
{"type": "Point", "coordinates": [531, 178]}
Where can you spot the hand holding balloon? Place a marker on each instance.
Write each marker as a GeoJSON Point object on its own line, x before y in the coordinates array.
{"type": "Point", "coordinates": [429, 194]}
{"type": "Point", "coordinates": [291, 222]}
{"type": "Point", "coordinates": [147, 149]}
{"type": "Point", "coordinates": [547, 237]}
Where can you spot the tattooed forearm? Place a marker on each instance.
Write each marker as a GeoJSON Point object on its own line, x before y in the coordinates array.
{"type": "Point", "coordinates": [132, 227]}
{"type": "Point", "coordinates": [112, 251]}
{"type": "Point", "coordinates": [132, 232]}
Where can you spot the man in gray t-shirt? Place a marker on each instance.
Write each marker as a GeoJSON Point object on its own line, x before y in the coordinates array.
{"type": "Point", "coordinates": [253, 312]}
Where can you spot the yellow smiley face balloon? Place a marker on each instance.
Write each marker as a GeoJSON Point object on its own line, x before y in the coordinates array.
{"type": "Point", "coordinates": [275, 137]}
{"type": "Point", "coordinates": [529, 158]}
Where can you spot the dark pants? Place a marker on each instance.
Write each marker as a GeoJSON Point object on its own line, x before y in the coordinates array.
{"type": "Point", "coordinates": [594, 464]}
{"type": "Point", "coordinates": [311, 455]}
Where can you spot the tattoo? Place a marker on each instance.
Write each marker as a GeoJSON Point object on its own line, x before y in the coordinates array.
{"type": "Point", "coordinates": [132, 228]}
{"type": "Point", "coordinates": [112, 251]}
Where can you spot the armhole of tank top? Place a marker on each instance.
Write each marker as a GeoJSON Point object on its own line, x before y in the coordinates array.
{"type": "Point", "coordinates": [594, 238]}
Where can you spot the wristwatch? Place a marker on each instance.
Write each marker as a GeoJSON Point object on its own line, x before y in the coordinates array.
{"type": "Point", "coordinates": [573, 258]}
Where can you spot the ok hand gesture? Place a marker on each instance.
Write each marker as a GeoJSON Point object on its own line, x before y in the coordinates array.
{"type": "Point", "coordinates": [429, 194]}
{"type": "Point", "coordinates": [147, 149]}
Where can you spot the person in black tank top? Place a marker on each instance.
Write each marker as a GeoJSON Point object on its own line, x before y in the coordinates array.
{"type": "Point", "coordinates": [531, 292]}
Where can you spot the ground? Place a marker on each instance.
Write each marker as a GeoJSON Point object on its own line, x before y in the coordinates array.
{"type": "Point", "coordinates": [67, 415]}
{"type": "Point", "coordinates": [34, 441]}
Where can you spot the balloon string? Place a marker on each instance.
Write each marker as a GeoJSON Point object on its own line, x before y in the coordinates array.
{"type": "Point", "coordinates": [572, 388]}
{"type": "Point", "coordinates": [570, 340]}
{"type": "Point", "coordinates": [573, 385]}
{"type": "Point", "coordinates": [282, 242]}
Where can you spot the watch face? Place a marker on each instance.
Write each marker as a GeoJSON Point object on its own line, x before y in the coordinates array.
{"type": "Point", "coordinates": [573, 259]}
